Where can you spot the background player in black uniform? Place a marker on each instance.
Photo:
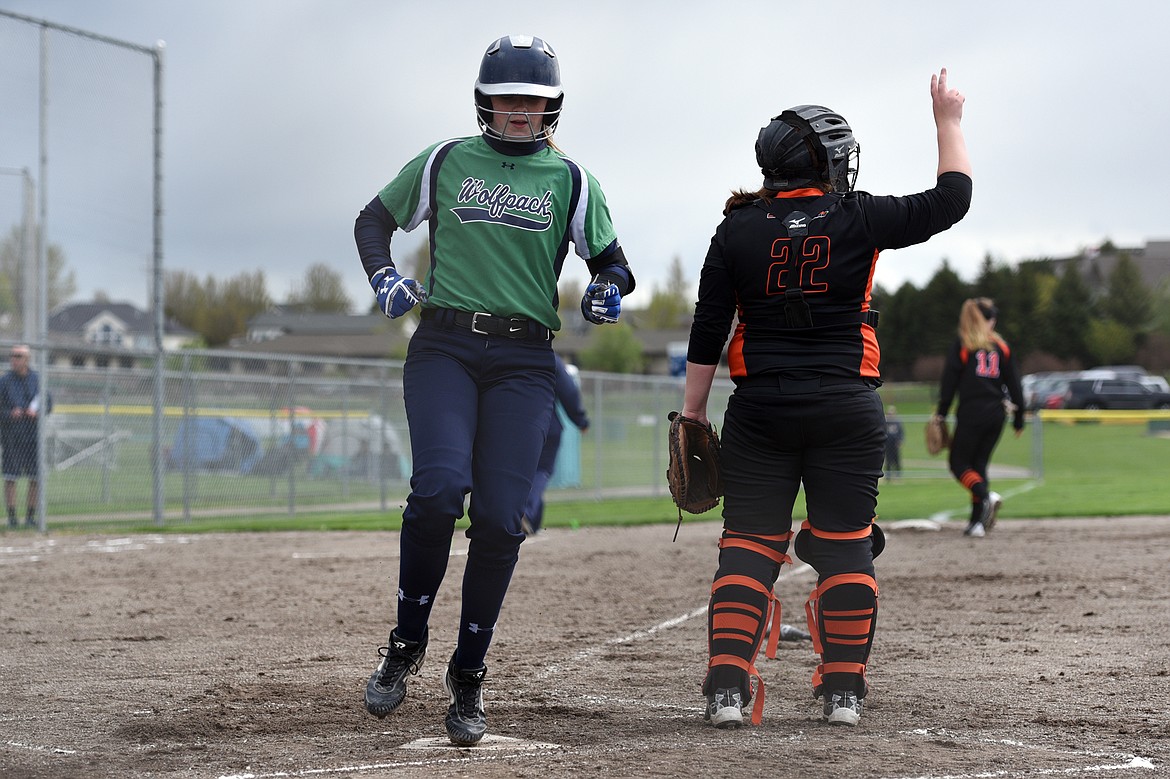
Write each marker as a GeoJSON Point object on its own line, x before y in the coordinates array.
{"type": "Point", "coordinates": [568, 397]}
{"type": "Point", "coordinates": [980, 369]}
{"type": "Point", "coordinates": [795, 262]}
{"type": "Point", "coordinates": [895, 435]}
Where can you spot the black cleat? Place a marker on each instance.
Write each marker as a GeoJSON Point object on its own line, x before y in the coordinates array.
{"type": "Point", "coordinates": [386, 688]}
{"type": "Point", "coordinates": [466, 722]}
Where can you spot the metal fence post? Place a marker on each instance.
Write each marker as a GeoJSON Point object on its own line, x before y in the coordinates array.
{"type": "Point", "coordinates": [188, 435]}
{"type": "Point", "coordinates": [107, 432]}
{"type": "Point", "coordinates": [345, 467]}
{"type": "Point", "coordinates": [599, 439]}
{"type": "Point", "coordinates": [383, 487]}
{"type": "Point", "coordinates": [1038, 448]}
{"type": "Point", "coordinates": [292, 441]}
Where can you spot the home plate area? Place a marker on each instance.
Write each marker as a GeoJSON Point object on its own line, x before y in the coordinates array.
{"type": "Point", "coordinates": [489, 743]}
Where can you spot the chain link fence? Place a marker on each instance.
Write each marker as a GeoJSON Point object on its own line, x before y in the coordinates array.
{"type": "Point", "coordinates": [79, 169]}
{"type": "Point", "coordinates": [274, 436]}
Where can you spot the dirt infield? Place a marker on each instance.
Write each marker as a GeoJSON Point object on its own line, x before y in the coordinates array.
{"type": "Point", "coordinates": [1040, 650]}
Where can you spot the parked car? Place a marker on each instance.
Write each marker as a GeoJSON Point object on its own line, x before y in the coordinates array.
{"type": "Point", "coordinates": [1113, 394]}
{"type": "Point", "coordinates": [1045, 390]}
{"type": "Point", "coordinates": [1115, 372]}
{"type": "Point", "coordinates": [1156, 383]}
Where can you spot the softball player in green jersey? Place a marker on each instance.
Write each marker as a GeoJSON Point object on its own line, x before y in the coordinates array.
{"type": "Point", "coordinates": [501, 209]}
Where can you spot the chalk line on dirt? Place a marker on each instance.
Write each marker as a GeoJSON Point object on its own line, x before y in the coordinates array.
{"type": "Point", "coordinates": [637, 635]}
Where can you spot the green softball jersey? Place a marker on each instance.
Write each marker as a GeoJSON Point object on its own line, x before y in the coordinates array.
{"type": "Point", "coordinates": [500, 225]}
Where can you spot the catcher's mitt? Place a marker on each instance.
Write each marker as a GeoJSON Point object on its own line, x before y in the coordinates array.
{"type": "Point", "coordinates": [693, 473]}
{"type": "Point", "coordinates": [938, 437]}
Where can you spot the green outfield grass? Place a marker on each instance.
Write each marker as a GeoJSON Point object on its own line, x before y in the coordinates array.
{"type": "Point", "coordinates": [1089, 470]}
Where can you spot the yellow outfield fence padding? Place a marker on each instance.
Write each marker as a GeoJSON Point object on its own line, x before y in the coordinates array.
{"type": "Point", "coordinates": [97, 409]}
{"type": "Point", "coordinates": [1104, 416]}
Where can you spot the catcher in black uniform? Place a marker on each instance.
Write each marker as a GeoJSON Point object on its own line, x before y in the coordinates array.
{"type": "Point", "coordinates": [980, 369]}
{"type": "Point", "coordinates": [794, 261]}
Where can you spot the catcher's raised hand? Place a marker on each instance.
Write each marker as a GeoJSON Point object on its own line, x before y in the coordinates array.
{"type": "Point", "coordinates": [948, 102]}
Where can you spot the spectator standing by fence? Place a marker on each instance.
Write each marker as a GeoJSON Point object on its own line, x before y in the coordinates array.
{"type": "Point", "coordinates": [20, 411]}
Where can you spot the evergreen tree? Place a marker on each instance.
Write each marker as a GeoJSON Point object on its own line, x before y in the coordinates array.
{"type": "Point", "coordinates": [937, 319]}
{"type": "Point", "coordinates": [1128, 301]}
{"type": "Point", "coordinates": [998, 281]}
{"type": "Point", "coordinates": [1067, 320]}
{"type": "Point", "coordinates": [897, 334]}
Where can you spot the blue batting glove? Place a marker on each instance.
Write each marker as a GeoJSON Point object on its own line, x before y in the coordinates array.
{"type": "Point", "coordinates": [602, 303]}
{"type": "Point", "coordinates": [396, 294]}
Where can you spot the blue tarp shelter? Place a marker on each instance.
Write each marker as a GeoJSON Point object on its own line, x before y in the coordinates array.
{"type": "Point", "coordinates": [214, 443]}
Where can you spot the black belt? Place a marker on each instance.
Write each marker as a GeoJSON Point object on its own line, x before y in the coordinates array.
{"type": "Point", "coordinates": [805, 386]}
{"type": "Point", "coordinates": [488, 324]}
{"type": "Point", "coordinates": [818, 320]}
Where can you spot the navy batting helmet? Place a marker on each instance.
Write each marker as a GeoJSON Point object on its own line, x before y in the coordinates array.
{"type": "Point", "coordinates": [808, 145]}
{"type": "Point", "coordinates": [519, 65]}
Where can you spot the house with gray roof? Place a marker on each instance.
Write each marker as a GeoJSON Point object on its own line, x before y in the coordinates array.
{"type": "Point", "coordinates": [91, 335]}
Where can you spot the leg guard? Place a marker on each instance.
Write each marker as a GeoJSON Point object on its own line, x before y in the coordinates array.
{"type": "Point", "coordinates": [842, 614]}
{"type": "Point", "coordinates": [842, 608]}
{"type": "Point", "coordinates": [742, 603]}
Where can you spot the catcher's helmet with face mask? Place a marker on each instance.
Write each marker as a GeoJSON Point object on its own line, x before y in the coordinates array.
{"type": "Point", "coordinates": [808, 145]}
{"type": "Point", "coordinates": [519, 65]}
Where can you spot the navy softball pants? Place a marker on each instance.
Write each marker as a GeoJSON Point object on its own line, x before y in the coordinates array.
{"type": "Point", "coordinates": [478, 407]}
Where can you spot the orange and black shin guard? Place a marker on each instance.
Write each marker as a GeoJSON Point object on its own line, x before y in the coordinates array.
{"type": "Point", "coordinates": [741, 607]}
{"type": "Point", "coordinates": [842, 617]}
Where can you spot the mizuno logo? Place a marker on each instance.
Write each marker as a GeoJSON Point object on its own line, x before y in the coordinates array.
{"type": "Point", "coordinates": [797, 222]}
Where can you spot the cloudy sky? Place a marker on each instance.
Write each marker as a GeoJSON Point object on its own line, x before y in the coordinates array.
{"type": "Point", "coordinates": [282, 118]}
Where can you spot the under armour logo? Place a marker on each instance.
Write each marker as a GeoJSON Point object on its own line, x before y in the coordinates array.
{"type": "Point", "coordinates": [420, 600]}
{"type": "Point", "coordinates": [508, 165]}
{"type": "Point", "coordinates": [475, 628]}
